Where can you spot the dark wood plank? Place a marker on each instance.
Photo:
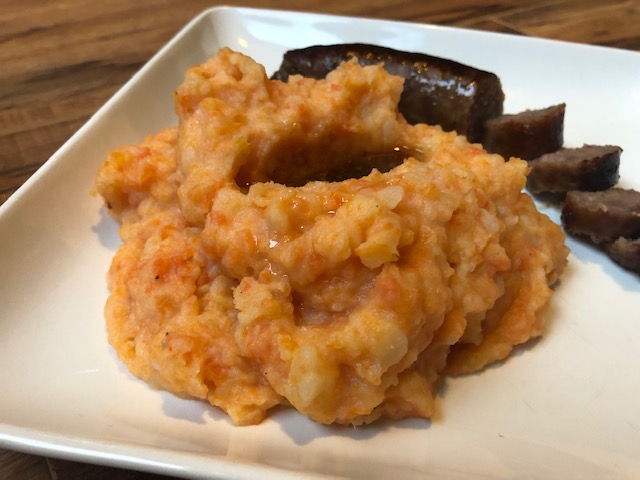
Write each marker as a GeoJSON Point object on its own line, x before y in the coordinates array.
{"type": "Point", "coordinates": [19, 466]}
{"type": "Point", "coordinates": [613, 23]}
{"type": "Point", "coordinates": [65, 470]}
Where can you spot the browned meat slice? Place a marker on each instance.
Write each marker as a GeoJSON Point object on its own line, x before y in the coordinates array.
{"type": "Point", "coordinates": [437, 91]}
{"type": "Point", "coordinates": [528, 135]}
{"type": "Point", "coordinates": [590, 168]}
{"type": "Point", "coordinates": [602, 216]}
{"type": "Point", "coordinates": [626, 252]}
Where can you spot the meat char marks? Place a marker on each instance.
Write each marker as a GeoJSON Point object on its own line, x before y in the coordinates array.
{"type": "Point", "coordinates": [588, 168]}
{"type": "Point", "coordinates": [527, 134]}
{"type": "Point", "coordinates": [602, 216]}
{"type": "Point", "coordinates": [437, 91]}
{"type": "Point", "coordinates": [610, 218]}
{"type": "Point", "coordinates": [626, 253]}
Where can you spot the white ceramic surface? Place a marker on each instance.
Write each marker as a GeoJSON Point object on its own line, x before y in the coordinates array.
{"type": "Point", "coordinates": [567, 408]}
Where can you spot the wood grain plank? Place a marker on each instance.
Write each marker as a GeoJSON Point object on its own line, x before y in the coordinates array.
{"type": "Point", "coordinates": [455, 12]}
{"type": "Point", "coordinates": [613, 23]}
{"type": "Point", "coordinates": [66, 470]}
{"type": "Point", "coordinates": [19, 466]}
{"type": "Point", "coordinates": [490, 23]}
{"type": "Point", "coordinates": [10, 181]}
{"type": "Point", "coordinates": [31, 148]}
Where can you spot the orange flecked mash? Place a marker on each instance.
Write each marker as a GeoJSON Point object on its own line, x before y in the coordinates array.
{"type": "Point", "coordinates": [255, 272]}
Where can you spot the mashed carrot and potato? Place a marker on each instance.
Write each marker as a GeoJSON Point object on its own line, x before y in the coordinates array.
{"type": "Point", "coordinates": [247, 279]}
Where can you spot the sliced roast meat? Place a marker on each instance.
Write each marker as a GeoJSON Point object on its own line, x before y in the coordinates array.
{"type": "Point", "coordinates": [437, 91]}
{"type": "Point", "coordinates": [527, 135]}
{"type": "Point", "coordinates": [626, 252]}
{"type": "Point", "coordinates": [589, 168]}
{"type": "Point", "coordinates": [602, 216]}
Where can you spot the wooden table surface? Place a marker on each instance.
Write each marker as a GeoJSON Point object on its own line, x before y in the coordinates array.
{"type": "Point", "coordinates": [62, 59]}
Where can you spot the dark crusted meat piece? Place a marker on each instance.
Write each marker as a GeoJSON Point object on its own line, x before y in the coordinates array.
{"type": "Point", "coordinates": [602, 216]}
{"type": "Point", "coordinates": [437, 91]}
{"type": "Point", "coordinates": [626, 252]}
{"type": "Point", "coordinates": [527, 135]}
{"type": "Point", "coordinates": [590, 168]}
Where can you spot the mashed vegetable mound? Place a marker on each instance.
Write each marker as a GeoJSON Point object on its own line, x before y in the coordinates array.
{"type": "Point", "coordinates": [259, 268]}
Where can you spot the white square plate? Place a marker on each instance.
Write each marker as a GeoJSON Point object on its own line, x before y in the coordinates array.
{"type": "Point", "coordinates": [567, 408]}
